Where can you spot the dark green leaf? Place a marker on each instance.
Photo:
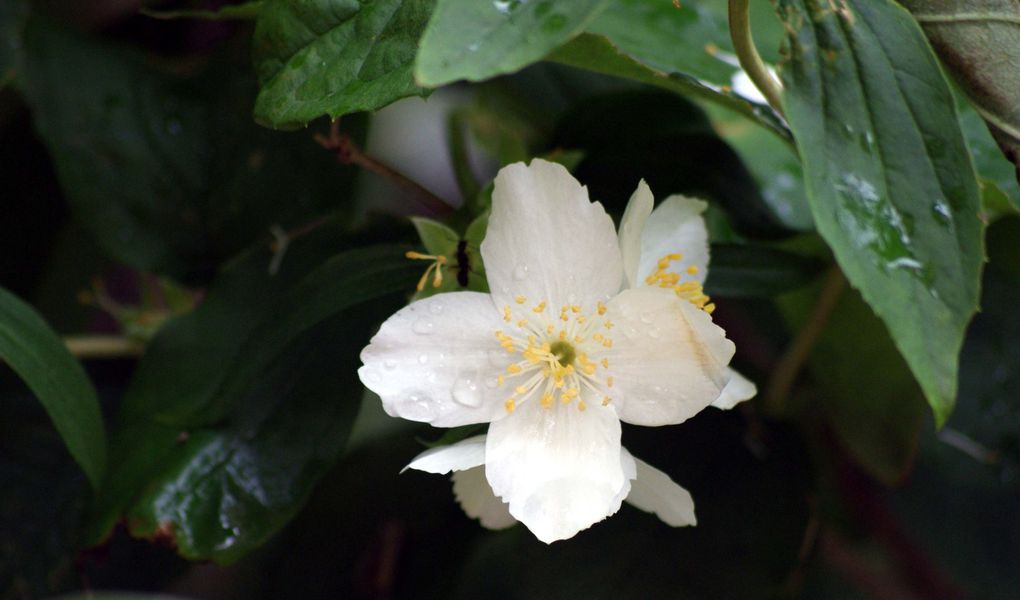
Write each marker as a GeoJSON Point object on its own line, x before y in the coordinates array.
{"type": "Point", "coordinates": [888, 175]}
{"type": "Point", "coordinates": [597, 53]}
{"type": "Point", "coordinates": [472, 40]}
{"type": "Point", "coordinates": [39, 357]}
{"type": "Point", "coordinates": [979, 42]}
{"type": "Point", "coordinates": [246, 10]}
{"type": "Point", "coordinates": [316, 58]}
{"type": "Point", "coordinates": [989, 161]}
{"type": "Point", "coordinates": [168, 174]}
{"type": "Point", "coordinates": [266, 396]}
{"type": "Point", "coordinates": [745, 271]}
{"type": "Point", "coordinates": [13, 16]}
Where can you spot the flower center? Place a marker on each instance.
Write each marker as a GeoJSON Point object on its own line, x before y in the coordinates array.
{"type": "Point", "coordinates": [564, 353]}
{"type": "Point", "coordinates": [561, 354]}
{"type": "Point", "coordinates": [690, 291]}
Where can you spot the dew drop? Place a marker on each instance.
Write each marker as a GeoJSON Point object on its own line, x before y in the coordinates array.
{"type": "Point", "coordinates": [423, 358]}
{"type": "Point", "coordinates": [436, 308]}
{"type": "Point", "coordinates": [423, 326]}
{"type": "Point", "coordinates": [465, 391]}
{"type": "Point", "coordinates": [389, 365]}
{"type": "Point", "coordinates": [521, 272]}
{"type": "Point", "coordinates": [491, 383]}
{"type": "Point", "coordinates": [417, 406]}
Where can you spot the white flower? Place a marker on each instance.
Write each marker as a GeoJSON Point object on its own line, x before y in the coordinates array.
{"type": "Point", "coordinates": [557, 355]}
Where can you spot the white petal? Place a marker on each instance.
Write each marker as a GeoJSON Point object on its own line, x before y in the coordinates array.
{"type": "Point", "coordinates": [668, 359]}
{"type": "Point", "coordinates": [738, 389]}
{"type": "Point", "coordinates": [465, 454]}
{"type": "Point", "coordinates": [560, 469]}
{"type": "Point", "coordinates": [653, 491]}
{"type": "Point", "coordinates": [547, 241]}
{"type": "Point", "coordinates": [475, 496]}
{"type": "Point", "coordinates": [631, 226]}
{"type": "Point", "coordinates": [436, 361]}
{"type": "Point", "coordinates": [676, 225]}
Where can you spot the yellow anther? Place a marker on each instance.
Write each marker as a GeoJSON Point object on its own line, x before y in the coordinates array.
{"type": "Point", "coordinates": [500, 380]}
{"type": "Point", "coordinates": [513, 369]}
{"type": "Point", "coordinates": [522, 323]}
{"type": "Point", "coordinates": [520, 299]}
{"type": "Point", "coordinates": [557, 381]}
{"type": "Point", "coordinates": [651, 279]}
{"type": "Point", "coordinates": [663, 263]}
{"type": "Point", "coordinates": [601, 308]}
{"type": "Point", "coordinates": [506, 313]}
{"type": "Point", "coordinates": [521, 389]}
{"type": "Point", "coordinates": [606, 400]}
{"type": "Point", "coordinates": [589, 369]}
{"type": "Point", "coordinates": [581, 406]}
{"type": "Point", "coordinates": [563, 334]}
{"type": "Point", "coordinates": [550, 328]}
{"type": "Point", "coordinates": [510, 405]}
{"type": "Point", "coordinates": [539, 307]}
{"type": "Point", "coordinates": [675, 256]}
{"type": "Point", "coordinates": [576, 308]}
{"type": "Point", "coordinates": [605, 363]}
{"type": "Point", "coordinates": [581, 319]}
{"type": "Point", "coordinates": [710, 308]}
{"type": "Point", "coordinates": [547, 400]}
{"type": "Point", "coordinates": [608, 343]}
{"type": "Point", "coordinates": [578, 339]}
{"type": "Point", "coordinates": [609, 381]}
{"type": "Point", "coordinates": [597, 337]}
{"type": "Point", "coordinates": [564, 317]}
{"type": "Point", "coordinates": [692, 270]}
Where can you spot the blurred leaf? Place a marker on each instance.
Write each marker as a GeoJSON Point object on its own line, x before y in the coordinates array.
{"type": "Point", "coordinates": [666, 140]}
{"type": "Point", "coordinates": [750, 271]}
{"type": "Point", "coordinates": [436, 237]}
{"type": "Point", "coordinates": [239, 409]}
{"type": "Point", "coordinates": [979, 42]}
{"type": "Point", "coordinates": [13, 17]}
{"type": "Point", "coordinates": [316, 58]}
{"type": "Point", "coordinates": [597, 53]}
{"type": "Point", "coordinates": [168, 174]}
{"type": "Point", "coordinates": [467, 39]}
{"type": "Point", "coordinates": [245, 10]}
{"type": "Point", "coordinates": [38, 356]}
{"type": "Point", "coordinates": [988, 159]}
{"type": "Point", "coordinates": [888, 176]}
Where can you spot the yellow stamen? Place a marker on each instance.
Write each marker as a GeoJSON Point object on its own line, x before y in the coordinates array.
{"type": "Point", "coordinates": [510, 405]}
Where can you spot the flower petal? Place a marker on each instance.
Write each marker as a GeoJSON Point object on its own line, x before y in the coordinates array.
{"type": "Point", "coordinates": [676, 225]}
{"type": "Point", "coordinates": [546, 241]}
{"type": "Point", "coordinates": [738, 389]}
{"type": "Point", "coordinates": [631, 226]}
{"type": "Point", "coordinates": [559, 469]}
{"type": "Point", "coordinates": [653, 491]}
{"type": "Point", "coordinates": [465, 454]}
{"type": "Point", "coordinates": [668, 359]}
{"type": "Point", "coordinates": [436, 361]}
{"type": "Point", "coordinates": [475, 496]}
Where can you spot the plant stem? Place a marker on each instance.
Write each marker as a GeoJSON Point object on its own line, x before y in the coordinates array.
{"type": "Point", "coordinates": [747, 54]}
{"type": "Point", "coordinates": [102, 346]}
{"type": "Point", "coordinates": [796, 355]}
{"type": "Point", "coordinates": [347, 152]}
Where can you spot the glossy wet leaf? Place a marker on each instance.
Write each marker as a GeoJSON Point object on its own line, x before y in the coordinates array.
{"type": "Point", "coordinates": [316, 58]}
{"type": "Point", "coordinates": [749, 271]}
{"type": "Point", "coordinates": [169, 174]}
{"type": "Point", "coordinates": [979, 42]}
{"type": "Point", "coordinates": [888, 176]}
{"type": "Point", "coordinates": [597, 53]}
{"type": "Point", "coordinates": [38, 356]}
{"type": "Point", "coordinates": [468, 39]}
{"type": "Point", "coordinates": [266, 397]}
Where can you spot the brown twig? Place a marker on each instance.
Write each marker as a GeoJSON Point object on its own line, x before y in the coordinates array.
{"type": "Point", "coordinates": [348, 153]}
{"type": "Point", "coordinates": [796, 355]}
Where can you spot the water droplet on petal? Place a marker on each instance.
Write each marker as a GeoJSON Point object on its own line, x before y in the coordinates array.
{"type": "Point", "coordinates": [491, 383]}
{"type": "Point", "coordinates": [465, 391]}
{"type": "Point", "coordinates": [417, 407]}
{"type": "Point", "coordinates": [389, 365]}
{"type": "Point", "coordinates": [521, 272]}
{"type": "Point", "coordinates": [436, 308]}
{"type": "Point", "coordinates": [423, 326]}
{"type": "Point", "coordinates": [423, 358]}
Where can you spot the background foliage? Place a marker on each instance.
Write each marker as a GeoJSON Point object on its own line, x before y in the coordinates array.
{"type": "Point", "coordinates": [194, 254]}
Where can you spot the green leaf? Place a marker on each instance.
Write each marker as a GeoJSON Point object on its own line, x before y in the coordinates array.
{"type": "Point", "coordinates": [316, 58]}
{"type": "Point", "coordinates": [746, 271]}
{"type": "Point", "coordinates": [979, 42]}
{"type": "Point", "coordinates": [888, 176]}
{"type": "Point", "coordinates": [246, 10]}
{"type": "Point", "coordinates": [437, 238]}
{"type": "Point", "coordinates": [169, 174]}
{"type": "Point", "coordinates": [13, 17]}
{"type": "Point", "coordinates": [472, 40]}
{"type": "Point", "coordinates": [266, 398]}
{"type": "Point", "coordinates": [38, 356]}
{"type": "Point", "coordinates": [989, 161]}
{"type": "Point", "coordinates": [597, 53]}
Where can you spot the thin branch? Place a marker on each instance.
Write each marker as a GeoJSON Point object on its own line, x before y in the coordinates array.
{"type": "Point", "coordinates": [747, 54]}
{"type": "Point", "coordinates": [348, 153]}
{"type": "Point", "coordinates": [796, 355]}
{"type": "Point", "coordinates": [103, 346]}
